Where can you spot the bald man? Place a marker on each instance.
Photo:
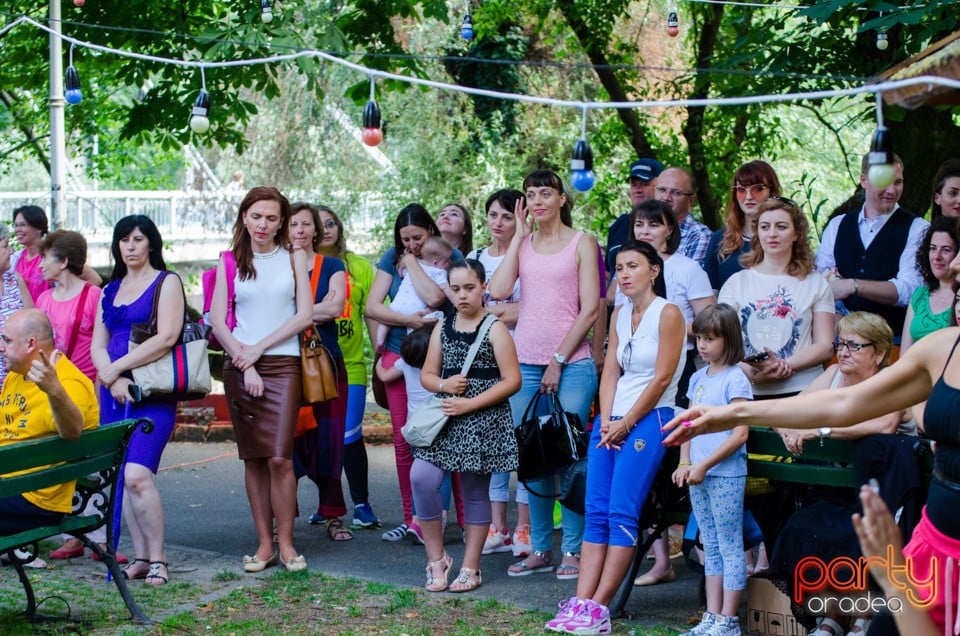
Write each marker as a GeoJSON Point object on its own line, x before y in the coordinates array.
{"type": "Point", "coordinates": [43, 394]}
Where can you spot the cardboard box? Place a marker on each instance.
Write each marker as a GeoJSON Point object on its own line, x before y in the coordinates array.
{"type": "Point", "coordinates": [768, 610]}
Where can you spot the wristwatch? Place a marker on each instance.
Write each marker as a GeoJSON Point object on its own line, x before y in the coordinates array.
{"type": "Point", "coordinates": [825, 432]}
{"type": "Point", "coordinates": [559, 357]}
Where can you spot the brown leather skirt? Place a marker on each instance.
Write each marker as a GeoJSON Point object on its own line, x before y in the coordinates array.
{"type": "Point", "coordinates": [264, 426]}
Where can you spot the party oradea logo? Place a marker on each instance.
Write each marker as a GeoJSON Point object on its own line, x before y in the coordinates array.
{"type": "Point", "coordinates": [842, 583]}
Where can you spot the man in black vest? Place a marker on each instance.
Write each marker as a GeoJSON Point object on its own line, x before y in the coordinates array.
{"type": "Point", "coordinates": [870, 255]}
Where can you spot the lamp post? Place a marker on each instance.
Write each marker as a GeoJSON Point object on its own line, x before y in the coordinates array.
{"type": "Point", "coordinates": [58, 152]}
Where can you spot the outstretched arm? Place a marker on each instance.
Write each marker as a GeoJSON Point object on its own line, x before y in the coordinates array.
{"type": "Point", "coordinates": [904, 384]}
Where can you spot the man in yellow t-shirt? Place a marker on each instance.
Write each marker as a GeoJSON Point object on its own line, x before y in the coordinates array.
{"type": "Point", "coordinates": [43, 393]}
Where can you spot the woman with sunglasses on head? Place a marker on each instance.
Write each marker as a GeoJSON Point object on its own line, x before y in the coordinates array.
{"type": "Point", "coordinates": [786, 308]}
{"type": "Point", "coordinates": [753, 183]}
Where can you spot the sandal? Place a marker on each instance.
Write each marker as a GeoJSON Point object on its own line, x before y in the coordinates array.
{"type": "Point", "coordinates": [526, 568]}
{"type": "Point", "coordinates": [827, 627]}
{"type": "Point", "coordinates": [154, 577]}
{"type": "Point", "coordinates": [337, 531]}
{"type": "Point", "coordinates": [466, 581]}
{"type": "Point", "coordinates": [569, 571]}
{"type": "Point", "coordinates": [435, 584]}
{"type": "Point", "coordinates": [859, 627]}
{"type": "Point", "coordinates": [129, 576]}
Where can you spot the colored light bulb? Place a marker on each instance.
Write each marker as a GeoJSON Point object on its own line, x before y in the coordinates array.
{"type": "Point", "coordinates": [79, 3]}
{"type": "Point", "coordinates": [372, 134]}
{"type": "Point", "coordinates": [581, 166]}
{"type": "Point", "coordinates": [73, 93]}
{"type": "Point", "coordinates": [466, 30]}
{"type": "Point", "coordinates": [673, 24]}
{"type": "Point", "coordinates": [199, 120]}
{"type": "Point", "coordinates": [880, 172]}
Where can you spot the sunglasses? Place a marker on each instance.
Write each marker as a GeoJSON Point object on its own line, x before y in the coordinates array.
{"type": "Point", "coordinates": [756, 190]}
{"type": "Point", "coordinates": [785, 201]}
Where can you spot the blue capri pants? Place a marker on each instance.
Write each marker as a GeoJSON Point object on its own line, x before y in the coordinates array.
{"type": "Point", "coordinates": [618, 481]}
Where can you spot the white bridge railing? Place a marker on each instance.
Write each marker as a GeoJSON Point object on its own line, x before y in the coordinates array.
{"type": "Point", "coordinates": [195, 224]}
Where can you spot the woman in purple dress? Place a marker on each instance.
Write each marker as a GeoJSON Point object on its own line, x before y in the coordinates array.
{"type": "Point", "coordinates": [127, 300]}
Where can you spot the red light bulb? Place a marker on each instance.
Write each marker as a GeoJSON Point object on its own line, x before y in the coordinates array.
{"type": "Point", "coordinates": [79, 3]}
{"type": "Point", "coordinates": [673, 24]}
{"type": "Point", "coordinates": [372, 136]}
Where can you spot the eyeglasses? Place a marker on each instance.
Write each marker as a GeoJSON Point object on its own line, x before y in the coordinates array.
{"type": "Point", "coordinates": [785, 201]}
{"type": "Point", "coordinates": [756, 189]}
{"type": "Point", "coordinates": [850, 345]}
{"type": "Point", "coordinates": [673, 193]}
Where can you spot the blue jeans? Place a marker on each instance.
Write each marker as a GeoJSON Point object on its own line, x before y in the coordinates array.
{"type": "Point", "coordinates": [578, 385]}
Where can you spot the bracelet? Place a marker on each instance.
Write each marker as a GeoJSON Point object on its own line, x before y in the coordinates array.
{"type": "Point", "coordinates": [684, 464]}
{"type": "Point", "coordinates": [856, 288]}
{"type": "Point", "coordinates": [441, 388]}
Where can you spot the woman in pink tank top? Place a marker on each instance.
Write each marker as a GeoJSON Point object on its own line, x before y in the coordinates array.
{"type": "Point", "coordinates": [558, 272]}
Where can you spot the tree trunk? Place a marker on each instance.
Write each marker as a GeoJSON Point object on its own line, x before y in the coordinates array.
{"type": "Point", "coordinates": [693, 128]}
{"type": "Point", "coordinates": [607, 77]}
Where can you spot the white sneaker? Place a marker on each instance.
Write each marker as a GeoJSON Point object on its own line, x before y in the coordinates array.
{"type": "Point", "coordinates": [521, 542]}
{"type": "Point", "coordinates": [726, 626]}
{"type": "Point", "coordinates": [703, 627]}
{"type": "Point", "coordinates": [497, 541]}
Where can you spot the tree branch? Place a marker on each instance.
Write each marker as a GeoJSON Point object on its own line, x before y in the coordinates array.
{"type": "Point", "coordinates": [608, 79]}
{"type": "Point", "coordinates": [9, 100]}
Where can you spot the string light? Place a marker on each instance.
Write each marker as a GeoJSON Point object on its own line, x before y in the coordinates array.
{"type": "Point", "coordinates": [864, 88]}
{"type": "Point", "coordinates": [73, 94]}
{"type": "Point", "coordinates": [581, 165]}
{"type": "Point", "coordinates": [372, 134]}
{"type": "Point", "coordinates": [199, 119]}
{"type": "Point", "coordinates": [466, 29]}
{"type": "Point", "coordinates": [266, 11]}
{"type": "Point", "coordinates": [78, 3]}
{"type": "Point", "coordinates": [882, 42]}
{"type": "Point", "coordinates": [880, 172]}
{"type": "Point", "coordinates": [673, 22]}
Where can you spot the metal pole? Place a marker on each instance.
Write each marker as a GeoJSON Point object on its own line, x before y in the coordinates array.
{"type": "Point", "coordinates": [58, 151]}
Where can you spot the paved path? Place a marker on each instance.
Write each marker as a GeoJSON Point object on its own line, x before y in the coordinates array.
{"type": "Point", "coordinates": [208, 524]}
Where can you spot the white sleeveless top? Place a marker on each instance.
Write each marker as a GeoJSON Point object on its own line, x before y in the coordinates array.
{"type": "Point", "coordinates": [266, 302]}
{"type": "Point", "coordinates": [637, 354]}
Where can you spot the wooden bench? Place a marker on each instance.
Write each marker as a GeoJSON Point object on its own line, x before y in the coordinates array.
{"type": "Point", "coordinates": [94, 460]}
{"type": "Point", "coordinates": [826, 464]}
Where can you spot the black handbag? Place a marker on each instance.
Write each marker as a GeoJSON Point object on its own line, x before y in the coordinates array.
{"type": "Point", "coordinates": [549, 442]}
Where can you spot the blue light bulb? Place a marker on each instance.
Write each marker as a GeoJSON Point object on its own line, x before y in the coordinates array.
{"type": "Point", "coordinates": [582, 180]}
{"type": "Point", "coordinates": [581, 166]}
{"type": "Point", "coordinates": [466, 31]}
{"type": "Point", "coordinates": [73, 93]}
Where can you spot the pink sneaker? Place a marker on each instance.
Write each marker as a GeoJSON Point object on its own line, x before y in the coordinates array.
{"type": "Point", "coordinates": [592, 618]}
{"type": "Point", "coordinates": [568, 609]}
{"type": "Point", "coordinates": [415, 533]}
{"type": "Point", "coordinates": [521, 542]}
{"type": "Point", "coordinates": [497, 541]}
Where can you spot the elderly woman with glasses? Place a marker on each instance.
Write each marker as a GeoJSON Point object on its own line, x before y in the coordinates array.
{"type": "Point", "coordinates": [786, 309]}
{"type": "Point", "coordinates": [863, 345]}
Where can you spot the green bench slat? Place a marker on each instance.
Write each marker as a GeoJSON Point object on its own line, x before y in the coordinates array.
{"type": "Point", "coordinates": [53, 449]}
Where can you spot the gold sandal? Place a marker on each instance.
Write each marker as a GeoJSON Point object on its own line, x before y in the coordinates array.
{"type": "Point", "coordinates": [435, 584]}
{"type": "Point", "coordinates": [468, 580]}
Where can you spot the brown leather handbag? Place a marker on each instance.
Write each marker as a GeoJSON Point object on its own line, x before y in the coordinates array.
{"type": "Point", "coordinates": [317, 370]}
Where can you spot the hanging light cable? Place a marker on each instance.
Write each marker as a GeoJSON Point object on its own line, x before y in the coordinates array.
{"type": "Point", "coordinates": [199, 120]}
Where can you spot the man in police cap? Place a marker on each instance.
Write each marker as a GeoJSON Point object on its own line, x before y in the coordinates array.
{"type": "Point", "coordinates": [642, 180]}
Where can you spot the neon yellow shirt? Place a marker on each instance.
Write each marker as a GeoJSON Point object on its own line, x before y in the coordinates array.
{"type": "Point", "coordinates": [350, 326]}
{"type": "Point", "coordinates": [26, 414]}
